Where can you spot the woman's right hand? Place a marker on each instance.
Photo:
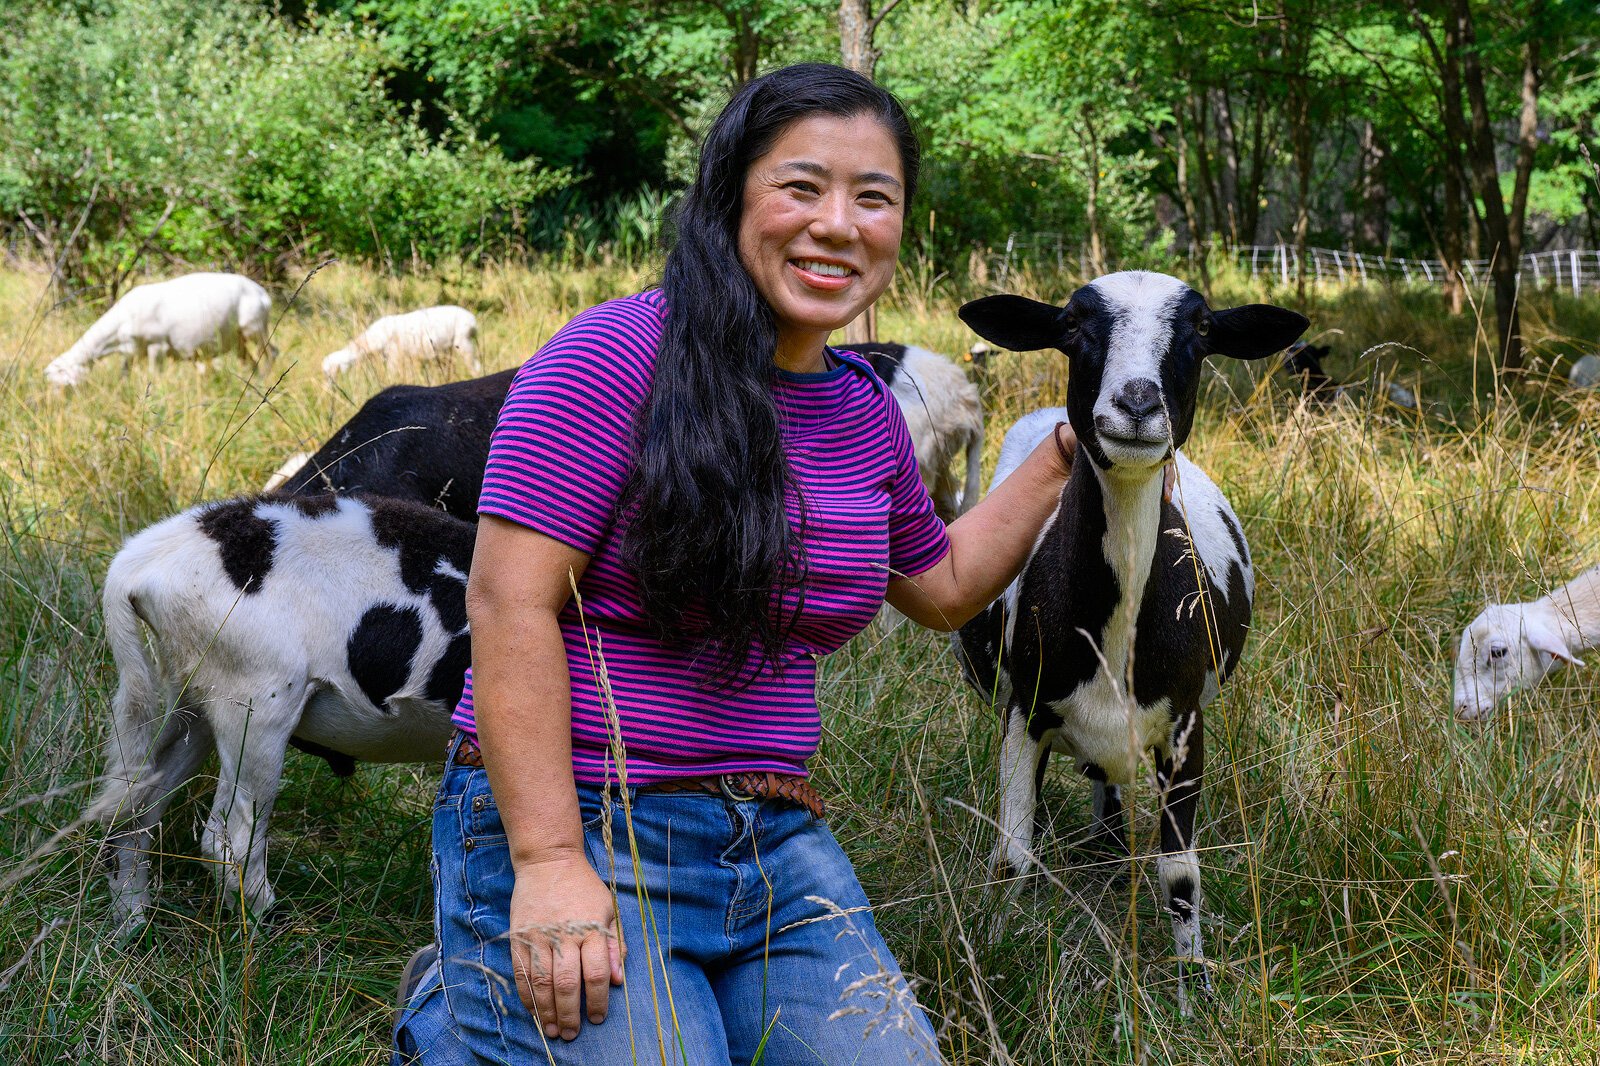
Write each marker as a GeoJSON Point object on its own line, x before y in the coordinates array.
{"type": "Point", "coordinates": [564, 942]}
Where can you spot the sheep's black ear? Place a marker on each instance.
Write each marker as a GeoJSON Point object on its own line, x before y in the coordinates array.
{"type": "Point", "coordinates": [1255, 331]}
{"type": "Point", "coordinates": [1014, 322]}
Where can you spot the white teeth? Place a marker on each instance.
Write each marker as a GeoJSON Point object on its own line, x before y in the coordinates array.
{"type": "Point", "coordinates": [826, 269]}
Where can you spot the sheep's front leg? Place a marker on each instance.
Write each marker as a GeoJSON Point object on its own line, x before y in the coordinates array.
{"type": "Point", "coordinates": [1022, 761]}
{"type": "Point", "coordinates": [251, 744]}
{"type": "Point", "coordinates": [1178, 777]}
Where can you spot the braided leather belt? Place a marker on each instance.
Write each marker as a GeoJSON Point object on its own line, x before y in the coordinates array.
{"type": "Point", "coordinates": [751, 784]}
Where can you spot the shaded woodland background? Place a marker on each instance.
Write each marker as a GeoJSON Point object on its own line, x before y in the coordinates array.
{"type": "Point", "coordinates": [268, 136]}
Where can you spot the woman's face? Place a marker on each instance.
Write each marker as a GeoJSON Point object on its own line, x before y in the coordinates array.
{"type": "Point", "coordinates": [820, 232]}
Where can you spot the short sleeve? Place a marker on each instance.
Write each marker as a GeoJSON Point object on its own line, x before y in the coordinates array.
{"type": "Point", "coordinates": [562, 448]}
{"type": "Point", "coordinates": [917, 537]}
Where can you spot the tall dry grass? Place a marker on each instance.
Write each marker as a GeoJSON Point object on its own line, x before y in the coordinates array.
{"type": "Point", "coordinates": [1381, 882]}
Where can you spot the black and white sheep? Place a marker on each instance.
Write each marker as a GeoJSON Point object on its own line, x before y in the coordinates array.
{"type": "Point", "coordinates": [185, 317]}
{"type": "Point", "coordinates": [410, 442]}
{"type": "Point", "coordinates": [942, 412]}
{"type": "Point", "coordinates": [1510, 646]}
{"type": "Point", "coordinates": [1131, 611]}
{"type": "Point", "coordinates": [336, 625]}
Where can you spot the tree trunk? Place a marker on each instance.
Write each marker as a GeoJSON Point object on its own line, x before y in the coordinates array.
{"type": "Point", "coordinates": [855, 36]}
{"type": "Point", "coordinates": [1486, 173]}
{"type": "Point", "coordinates": [1097, 257]}
{"type": "Point", "coordinates": [857, 27]}
{"type": "Point", "coordinates": [1373, 227]}
{"type": "Point", "coordinates": [1453, 238]}
{"type": "Point", "coordinates": [1527, 142]}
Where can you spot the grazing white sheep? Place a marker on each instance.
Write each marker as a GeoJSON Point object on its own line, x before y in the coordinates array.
{"type": "Point", "coordinates": [331, 624]}
{"type": "Point", "coordinates": [185, 317]}
{"type": "Point", "coordinates": [432, 333]}
{"type": "Point", "coordinates": [1514, 645]}
{"type": "Point", "coordinates": [286, 470]}
{"type": "Point", "coordinates": [1585, 373]}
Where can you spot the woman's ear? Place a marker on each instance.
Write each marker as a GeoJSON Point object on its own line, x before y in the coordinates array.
{"type": "Point", "coordinates": [1014, 322]}
{"type": "Point", "coordinates": [1255, 331]}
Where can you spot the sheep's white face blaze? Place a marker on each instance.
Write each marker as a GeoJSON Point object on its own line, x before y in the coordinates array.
{"type": "Point", "coordinates": [1495, 659]}
{"type": "Point", "coordinates": [1131, 411]}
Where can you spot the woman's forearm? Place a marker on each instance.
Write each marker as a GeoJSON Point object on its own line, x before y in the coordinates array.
{"type": "Point", "coordinates": [988, 545]}
{"type": "Point", "coordinates": [522, 700]}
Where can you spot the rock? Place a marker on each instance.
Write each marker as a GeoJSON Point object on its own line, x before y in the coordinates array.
{"type": "Point", "coordinates": [1585, 373]}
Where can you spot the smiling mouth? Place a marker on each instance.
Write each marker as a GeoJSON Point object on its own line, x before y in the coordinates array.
{"type": "Point", "coordinates": [826, 270]}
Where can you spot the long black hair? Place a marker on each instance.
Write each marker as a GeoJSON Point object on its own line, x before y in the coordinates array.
{"type": "Point", "coordinates": [707, 532]}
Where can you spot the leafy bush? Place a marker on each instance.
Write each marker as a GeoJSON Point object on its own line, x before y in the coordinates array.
{"type": "Point", "coordinates": [218, 134]}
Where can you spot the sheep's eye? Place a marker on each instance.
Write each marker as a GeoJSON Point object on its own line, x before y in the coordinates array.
{"type": "Point", "coordinates": [1498, 651]}
{"type": "Point", "coordinates": [1203, 327]}
{"type": "Point", "coordinates": [1070, 327]}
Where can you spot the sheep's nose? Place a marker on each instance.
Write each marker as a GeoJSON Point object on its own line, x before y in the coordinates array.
{"type": "Point", "coordinates": [1138, 399]}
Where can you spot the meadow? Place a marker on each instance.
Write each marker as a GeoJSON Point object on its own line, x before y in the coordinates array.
{"type": "Point", "coordinates": [1382, 883]}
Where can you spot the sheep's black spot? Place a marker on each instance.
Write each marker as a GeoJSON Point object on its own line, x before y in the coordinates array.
{"type": "Point", "coordinates": [450, 672]}
{"type": "Point", "coordinates": [1180, 897]}
{"type": "Point", "coordinates": [422, 537]}
{"type": "Point", "coordinates": [1094, 773]}
{"type": "Point", "coordinates": [381, 648]}
{"type": "Point", "coordinates": [341, 764]}
{"type": "Point", "coordinates": [1237, 535]}
{"type": "Point", "coordinates": [245, 540]}
{"type": "Point", "coordinates": [449, 597]}
{"type": "Point", "coordinates": [314, 506]}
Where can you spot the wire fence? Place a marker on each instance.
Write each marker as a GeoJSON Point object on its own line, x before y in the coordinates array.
{"type": "Point", "coordinates": [1569, 270]}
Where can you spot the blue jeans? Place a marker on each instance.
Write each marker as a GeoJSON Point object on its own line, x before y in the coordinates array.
{"type": "Point", "coordinates": [749, 941]}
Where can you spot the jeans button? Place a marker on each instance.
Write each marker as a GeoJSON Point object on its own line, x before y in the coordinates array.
{"type": "Point", "coordinates": [477, 803]}
{"type": "Point", "coordinates": [466, 845]}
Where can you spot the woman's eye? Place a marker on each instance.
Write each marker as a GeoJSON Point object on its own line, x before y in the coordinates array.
{"type": "Point", "coordinates": [876, 198]}
{"type": "Point", "coordinates": [802, 186]}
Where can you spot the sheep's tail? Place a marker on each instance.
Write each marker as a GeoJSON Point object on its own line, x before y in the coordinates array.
{"type": "Point", "coordinates": [969, 492]}
{"type": "Point", "coordinates": [132, 774]}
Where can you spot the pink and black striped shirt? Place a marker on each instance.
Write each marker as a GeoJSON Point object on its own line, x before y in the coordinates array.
{"type": "Point", "coordinates": [560, 456]}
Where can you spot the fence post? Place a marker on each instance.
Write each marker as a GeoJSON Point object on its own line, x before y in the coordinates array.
{"type": "Point", "coordinates": [1537, 277]}
{"type": "Point", "coordinates": [1577, 276]}
{"type": "Point", "coordinates": [1283, 254]}
{"type": "Point", "coordinates": [1255, 250]}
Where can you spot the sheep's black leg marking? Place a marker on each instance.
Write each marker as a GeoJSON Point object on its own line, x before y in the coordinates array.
{"type": "Point", "coordinates": [245, 541]}
{"type": "Point", "coordinates": [341, 764]}
{"type": "Point", "coordinates": [1179, 865]}
{"type": "Point", "coordinates": [449, 674]}
{"type": "Point", "coordinates": [381, 649]}
{"type": "Point", "coordinates": [1108, 833]}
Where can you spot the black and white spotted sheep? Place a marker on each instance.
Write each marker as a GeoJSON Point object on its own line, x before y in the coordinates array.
{"type": "Point", "coordinates": [944, 415]}
{"type": "Point", "coordinates": [1122, 587]}
{"type": "Point", "coordinates": [334, 624]}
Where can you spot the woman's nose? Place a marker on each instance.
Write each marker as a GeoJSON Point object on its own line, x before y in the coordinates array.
{"type": "Point", "coordinates": [833, 220]}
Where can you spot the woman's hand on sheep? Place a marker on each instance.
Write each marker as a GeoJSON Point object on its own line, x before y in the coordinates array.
{"type": "Point", "coordinates": [1067, 447]}
{"type": "Point", "coordinates": [564, 943]}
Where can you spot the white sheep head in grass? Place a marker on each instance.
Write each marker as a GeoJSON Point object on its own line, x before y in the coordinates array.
{"type": "Point", "coordinates": [1509, 646]}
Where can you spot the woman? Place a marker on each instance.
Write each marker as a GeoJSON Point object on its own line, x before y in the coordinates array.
{"type": "Point", "coordinates": [627, 855]}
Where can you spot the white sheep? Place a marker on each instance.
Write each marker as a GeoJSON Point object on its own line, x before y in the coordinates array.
{"type": "Point", "coordinates": [185, 317]}
{"type": "Point", "coordinates": [431, 333]}
{"type": "Point", "coordinates": [331, 624]}
{"type": "Point", "coordinates": [1514, 645]}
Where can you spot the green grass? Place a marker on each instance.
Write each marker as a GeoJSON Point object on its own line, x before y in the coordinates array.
{"type": "Point", "coordinates": [1381, 883]}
